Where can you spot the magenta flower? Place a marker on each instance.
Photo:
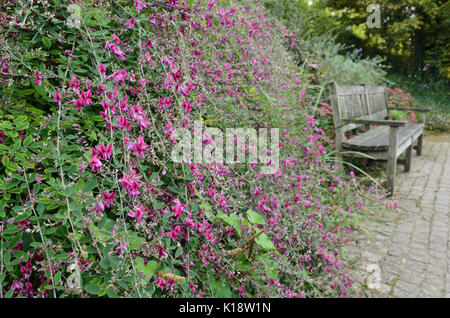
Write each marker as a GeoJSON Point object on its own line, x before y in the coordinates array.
{"type": "Point", "coordinates": [99, 207]}
{"type": "Point", "coordinates": [69, 52]}
{"type": "Point", "coordinates": [37, 178]}
{"type": "Point", "coordinates": [38, 79]}
{"type": "Point", "coordinates": [139, 147]}
{"type": "Point", "coordinates": [161, 283]}
{"type": "Point", "coordinates": [178, 208]}
{"type": "Point", "coordinates": [17, 285]}
{"type": "Point", "coordinates": [57, 97]}
{"type": "Point", "coordinates": [173, 234]}
{"type": "Point", "coordinates": [109, 198]}
{"type": "Point", "coordinates": [118, 52]}
{"type": "Point", "coordinates": [123, 122]}
{"type": "Point", "coordinates": [74, 83]}
{"type": "Point", "coordinates": [79, 104]}
{"type": "Point", "coordinates": [241, 290]}
{"type": "Point", "coordinates": [143, 122]}
{"type": "Point", "coordinates": [102, 69]}
{"type": "Point", "coordinates": [130, 23]}
{"type": "Point", "coordinates": [137, 213]}
{"type": "Point", "coordinates": [104, 151]}
{"type": "Point", "coordinates": [161, 252]}
{"type": "Point", "coordinates": [95, 163]}
{"type": "Point", "coordinates": [122, 247]}
{"type": "Point", "coordinates": [116, 38]}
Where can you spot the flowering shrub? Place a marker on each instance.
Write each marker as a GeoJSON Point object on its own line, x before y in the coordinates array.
{"type": "Point", "coordinates": [93, 205]}
{"type": "Point", "coordinates": [397, 98]}
{"type": "Point", "coordinates": [437, 120]}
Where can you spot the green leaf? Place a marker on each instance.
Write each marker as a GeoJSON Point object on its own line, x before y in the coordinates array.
{"type": "Point", "coordinates": [14, 241]}
{"type": "Point", "coordinates": [20, 119]}
{"type": "Point", "coordinates": [264, 241]}
{"type": "Point", "coordinates": [233, 220]}
{"type": "Point", "coordinates": [255, 217]}
{"type": "Point", "coordinates": [270, 265]}
{"type": "Point", "coordinates": [57, 278]}
{"type": "Point", "coordinates": [221, 289]}
{"type": "Point", "coordinates": [62, 256]}
{"type": "Point", "coordinates": [5, 161]}
{"type": "Point", "coordinates": [47, 42]}
{"type": "Point", "coordinates": [88, 187]}
{"type": "Point", "coordinates": [9, 293]}
{"type": "Point", "coordinates": [5, 125]}
{"type": "Point", "coordinates": [13, 166]}
{"type": "Point", "coordinates": [11, 184]}
{"type": "Point", "coordinates": [36, 188]}
{"type": "Point", "coordinates": [104, 263]}
{"type": "Point", "coordinates": [4, 147]}
{"type": "Point", "coordinates": [28, 141]}
{"type": "Point", "coordinates": [91, 289]}
{"type": "Point", "coordinates": [147, 269]}
{"type": "Point", "coordinates": [111, 293]}
{"type": "Point", "coordinates": [11, 229]}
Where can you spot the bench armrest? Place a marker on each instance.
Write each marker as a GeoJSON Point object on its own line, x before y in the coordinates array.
{"type": "Point", "coordinates": [392, 123]}
{"type": "Point", "coordinates": [410, 108]}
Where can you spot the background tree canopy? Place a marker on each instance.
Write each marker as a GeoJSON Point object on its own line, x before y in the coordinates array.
{"type": "Point", "coordinates": [413, 35]}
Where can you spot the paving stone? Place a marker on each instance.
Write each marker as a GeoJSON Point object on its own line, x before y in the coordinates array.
{"type": "Point", "coordinates": [413, 245]}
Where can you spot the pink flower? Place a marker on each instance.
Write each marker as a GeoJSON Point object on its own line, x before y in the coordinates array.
{"type": "Point", "coordinates": [98, 208]}
{"type": "Point", "coordinates": [161, 252]}
{"type": "Point", "coordinates": [38, 80]}
{"type": "Point", "coordinates": [123, 122]}
{"type": "Point", "coordinates": [85, 97]}
{"type": "Point", "coordinates": [116, 38]}
{"type": "Point", "coordinates": [102, 68]}
{"type": "Point", "coordinates": [143, 122]}
{"type": "Point", "coordinates": [79, 105]}
{"type": "Point", "coordinates": [173, 234]}
{"type": "Point", "coordinates": [241, 290]}
{"type": "Point", "coordinates": [122, 247]}
{"type": "Point", "coordinates": [104, 151]}
{"type": "Point", "coordinates": [139, 147]}
{"type": "Point", "coordinates": [187, 106]}
{"type": "Point", "coordinates": [37, 178]}
{"type": "Point", "coordinates": [57, 97]}
{"type": "Point", "coordinates": [69, 52]}
{"type": "Point", "coordinates": [95, 163]}
{"type": "Point", "coordinates": [109, 198]}
{"type": "Point", "coordinates": [74, 83]}
{"type": "Point", "coordinates": [118, 52]}
{"type": "Point", "coordinates": [178, 208]}
{"type": "Point", "coordinates": [137, 213]}
{"type": "Point", "coordinates": [161, 283]}
{"type": "Point", "coordinates": [148, 57]}
{"type": "Point", "coordinates": [130, 23]}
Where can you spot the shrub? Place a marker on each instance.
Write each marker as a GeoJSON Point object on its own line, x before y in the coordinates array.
{"type": "Point", "coordinates": [317, 49]}
{"type": "Point", "coordinates": [92, 203]}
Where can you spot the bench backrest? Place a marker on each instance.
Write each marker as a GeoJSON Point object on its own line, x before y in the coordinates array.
{"type": "Point", "coordinates": [356, 102]}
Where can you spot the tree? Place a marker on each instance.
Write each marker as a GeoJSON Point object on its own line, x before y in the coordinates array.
{"type": "Point", "coordinates": [413, 33]}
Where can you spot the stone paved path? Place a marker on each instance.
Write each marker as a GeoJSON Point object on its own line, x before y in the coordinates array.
{"type": "Point", "coordinates": [406, 252]}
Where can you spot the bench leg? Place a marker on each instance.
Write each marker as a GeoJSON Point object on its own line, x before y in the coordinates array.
{"type": "Point", "coordinates": [408, 158]}
{"type": "Point", "coordinates": [419, 145]}
{"type": "Point", "coordinates": [392, 159]}
{"type": "Point", "coordinates": [391, 169]}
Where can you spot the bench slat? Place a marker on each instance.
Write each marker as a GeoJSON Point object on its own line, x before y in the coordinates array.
{"type": "Point", "coordinates": [377, 139]}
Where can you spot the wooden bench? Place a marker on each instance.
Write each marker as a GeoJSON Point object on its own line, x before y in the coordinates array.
{"type": "Point", "coordinates": [368, 106]}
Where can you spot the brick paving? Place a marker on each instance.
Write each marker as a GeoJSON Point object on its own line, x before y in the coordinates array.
{"type": "Point", "coordinates": [406, 252]}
